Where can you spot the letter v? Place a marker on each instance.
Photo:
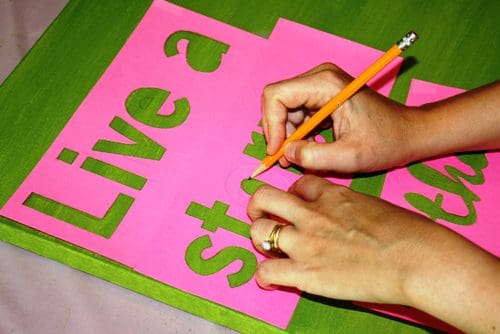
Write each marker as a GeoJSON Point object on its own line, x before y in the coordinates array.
{"type": "Point", "coordinates": [142, 146]}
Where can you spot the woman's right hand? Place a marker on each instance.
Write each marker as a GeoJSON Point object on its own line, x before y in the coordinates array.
{"type": "Point", "coordinates": [372, 132]}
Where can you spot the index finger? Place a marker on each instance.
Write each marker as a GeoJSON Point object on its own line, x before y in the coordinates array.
{"type": "Point", "coordinates": [269, 201]}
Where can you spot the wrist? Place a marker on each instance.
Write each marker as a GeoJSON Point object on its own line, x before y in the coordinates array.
{"type": "Point", "coordinates": [417, 134]}
{"type": "Point", "coordinates": [455, 281]}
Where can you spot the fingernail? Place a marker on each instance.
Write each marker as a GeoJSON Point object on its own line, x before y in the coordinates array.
{"type": "Point", "coordinates": [290, 152]}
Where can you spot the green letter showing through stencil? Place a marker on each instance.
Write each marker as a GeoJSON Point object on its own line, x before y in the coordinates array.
{"type": "Point", "coordinates": [114, 173]}
{"type": "Point", "coordinates": [250, 185]}
{"type": "Point", "coordinates": [451, 185]}
{"type": "Point", "coordinates": [216, 217]}
{"type": "Point", "coordinates": [221, 260]}
{"type": "Point", "coordinates": [142, 146]}
{"type": "Point", "coordinates": [257, 150]}
{"type": "Point", "coordinates": [105, 226]}
{"type": "Point", "coordinates": [203, 53]}
{"type": "Point", "coordinates": [143, 105]}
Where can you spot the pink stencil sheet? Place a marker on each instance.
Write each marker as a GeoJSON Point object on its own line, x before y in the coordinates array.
{"type": "Point", "coordinates": [204, 160]}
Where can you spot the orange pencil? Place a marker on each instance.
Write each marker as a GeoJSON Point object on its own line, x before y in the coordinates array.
{"type": "Point", "coordinates": [340, 98]}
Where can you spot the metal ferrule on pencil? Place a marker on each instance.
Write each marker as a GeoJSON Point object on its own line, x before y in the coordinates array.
{"type": "Point", "coordinates": [407, 40]}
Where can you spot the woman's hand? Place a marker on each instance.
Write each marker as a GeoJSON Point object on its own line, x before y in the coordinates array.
{"type": "Point", "coordinates": [340, 243]}
{"type": "Point", "coordinates": [372, 132]}
{"type": "Point", "coordinates": [347, 245]}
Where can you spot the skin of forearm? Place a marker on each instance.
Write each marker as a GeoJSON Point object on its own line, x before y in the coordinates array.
{"type": "Point", "coordinates": [464, 123]}
{"type": "Point", "coordinates": [458, 283]}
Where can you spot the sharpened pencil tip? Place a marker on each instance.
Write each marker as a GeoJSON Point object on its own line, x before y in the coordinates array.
{"type": "Point", "coordinates": [259, 170]}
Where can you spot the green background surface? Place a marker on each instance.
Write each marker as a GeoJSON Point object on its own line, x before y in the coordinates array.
{"type": "Point", "coordinates": [459, 47]}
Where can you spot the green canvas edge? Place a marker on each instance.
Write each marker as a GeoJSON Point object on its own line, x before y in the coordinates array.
{"type": "Point", "coordinates": [104, 268]}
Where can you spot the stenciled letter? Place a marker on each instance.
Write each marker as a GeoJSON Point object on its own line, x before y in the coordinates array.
{"type": "Point", "coordinates": [219, 261]}
{"type": "Point", "coordinates": [453, 185]}
{"type": "Point", "coordinates": [143, 105]}
{"type": "Point", "coordinates": [142, 146]}
{"type": "Point", "coordinates": [203, 53]}
{"type": "Point", "coordinates": [105, 226]}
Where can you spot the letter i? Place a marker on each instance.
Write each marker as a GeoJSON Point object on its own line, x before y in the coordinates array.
{"type": "Point", "coordinates": [105, 169]}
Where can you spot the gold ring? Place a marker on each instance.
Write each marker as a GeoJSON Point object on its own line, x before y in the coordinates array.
{"type": "Point", "coordinates": [272, 243]}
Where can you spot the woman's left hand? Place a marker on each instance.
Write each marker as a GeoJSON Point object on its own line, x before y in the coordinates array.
{"type": "Point", "coordinates": [343, 244]}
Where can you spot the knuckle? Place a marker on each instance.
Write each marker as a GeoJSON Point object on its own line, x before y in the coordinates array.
{"type": "Point", "coordinates": [342, 196]}
{"type": "Point", "coordinates": [308, 178]}
{"type": "Point", "coordinates": [269, 91]}
{"type": "Point", "coordinates": [251, 204]}
{"type": "Point", "coordinates": [261, 192]}
{"type": "Point", "coordinates": [340, 190]}
{"type": "Point", "coordinates": [329, 66]}
{"type": "Point", "coordinates": [255, 202]}
{"type": "Point", "coordinates": [306, 155]}
{"type": "Point", "coordinates": [308, 211]}
{"type": "Point", "coordinates": [331, 194]}
{"type": "Point", "coordinates": [263, 273]}
{"type": "Point", "coordinates": [322, 245]}
{"type": "Point", "coordinates": [355, 158]}
{"type": "Point", "coordinates": [310, 246]}
{"type": "Point", "coordinates": [256, 230]}
{"type": "Point", "coordinates": [307, 285]}
{"type": "Point", "coordinates": [335, 76]}
{"type": "Point", "coordinates": [329, 75]}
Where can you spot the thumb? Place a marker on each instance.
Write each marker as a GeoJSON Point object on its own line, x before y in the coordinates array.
{"type": "Point", "coordinates": [337, 156]}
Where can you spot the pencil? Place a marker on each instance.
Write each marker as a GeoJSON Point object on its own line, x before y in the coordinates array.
{"type": "Point", "coordinates": [340, 98]}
